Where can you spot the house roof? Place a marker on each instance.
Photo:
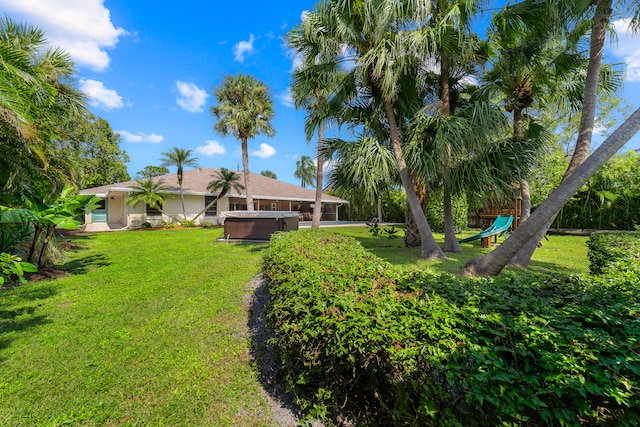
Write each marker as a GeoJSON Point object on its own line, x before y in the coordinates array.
{"type": "Point", "coordinates": [195, 182]}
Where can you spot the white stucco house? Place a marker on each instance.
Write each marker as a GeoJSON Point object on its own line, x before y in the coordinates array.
{"type": "Point", "coordinates": [268, 194]}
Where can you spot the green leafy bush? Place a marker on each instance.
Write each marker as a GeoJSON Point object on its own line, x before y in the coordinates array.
{"type": "Point", "coordinates": [12, 267]}
{"type": "Point", "coordinates": [437, 349]}
{"type": "Point", "coordinates": [146, 225]}
{"type": "Point", "coordinates": [615, 252]}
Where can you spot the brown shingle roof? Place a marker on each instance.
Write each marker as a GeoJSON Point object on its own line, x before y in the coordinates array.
{"type": "Point", "coordinates": [195, 181]}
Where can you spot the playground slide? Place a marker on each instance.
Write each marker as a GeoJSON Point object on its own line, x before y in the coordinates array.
{"type": "Point", "coordinates": [499, 226]}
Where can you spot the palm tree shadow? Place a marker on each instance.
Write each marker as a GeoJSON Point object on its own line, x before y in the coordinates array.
{"type": "Point", "coordinates": [85, 264]}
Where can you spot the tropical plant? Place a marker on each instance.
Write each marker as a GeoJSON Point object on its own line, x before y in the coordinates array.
{"type": "Point", "coordinates": [181, 159]}
{"type": "Point", "coordinates": [13, 266]}
{"type": "Point", "coordinates": [38, 98]}
{"type": "Point", "coordinates": [152, 171]}
{"type": "Point", "coordinates": [382, 50]}
{"type": "Point", "coordinates": [245, 110]}
{"type": "Point", "coordinates": [305, 171]}
{"type": "Point", "coordinates": [150, 192]}
{"type": "Point", "coordinates": [269, 174]}
{"type": "Point", "coordinates": [599, 23]}
{"type": "Point", "coordinates": [225, 180]}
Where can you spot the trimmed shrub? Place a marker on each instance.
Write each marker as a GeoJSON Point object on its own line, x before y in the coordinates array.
{"type": "Point", "coordinates": [434, 349]}
{"type": "Point", "coordinates": [616, 252]}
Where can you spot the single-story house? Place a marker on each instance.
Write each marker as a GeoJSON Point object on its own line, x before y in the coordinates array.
{"type": "Point", "coordinates": [114, 213]}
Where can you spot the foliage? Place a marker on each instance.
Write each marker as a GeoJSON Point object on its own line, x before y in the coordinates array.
{"type": "Point", "coordinates": [435, 211]}
{"type": "Point", "coordinates": [616, 253]}
{"type": "Point", "coordinates": [269, 174]}
{"type": "Point", "coordinates": [169, 224]}
{"type": "Point", "coordinates": [188, 223]}
{"type": "Point", "coordinates": [382, 348]}
{"type": "Point", "coordinates": [97, 152]}
{"type": "Point", "coordinates": [609, 200]}
{"type": "Point", "coordinates": [305, 171]}
{"type": "Point", "coordinates": [12, 266]}
{"type": "Point", "coordinates": [146, 224]}
{"type": "Point", "coordinates": [150, 171]}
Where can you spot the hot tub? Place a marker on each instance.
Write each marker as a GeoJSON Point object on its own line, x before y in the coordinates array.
{"type": "Point", "coordinates": [257, 225]}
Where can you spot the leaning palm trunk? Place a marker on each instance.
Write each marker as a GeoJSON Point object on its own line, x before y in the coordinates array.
{"type": "Point", "coordinates": [492, 263]}
{"type": "Point", "coordinates": [581, 151]}
{"type": "Point", "coordinates": [411, 233]}
{"type": "Point", "coordinates": [317, 211]}
{"type": "Point", "coordinates": [429, 248]}
{"type": "Point", "coordinates": [450, 241]}
{"type": "Point", "coordinates": [247, 178]}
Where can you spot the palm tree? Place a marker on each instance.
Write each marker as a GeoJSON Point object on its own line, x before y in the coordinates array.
{"type": "Point", "coordinates": [305, 171]}
{"type": "Point", "coordinates": [37, 99]}
{"type": "Point", "coordinates": [379, 39]}
{"type": "Point", "coordinates": [150, 192]}
{"type": "Point", "coordinates": [599, 25]}
{"type": "Point", "coordinates": [495, 261]}
{"type": "Point", "coordinates": [180, 159]}
{"type": "Point", "coordinates": [225, 180]}
{"type": "Point", "coordinates": [269, 174]}
{"type": "Point", "coordinates": [244, 110]}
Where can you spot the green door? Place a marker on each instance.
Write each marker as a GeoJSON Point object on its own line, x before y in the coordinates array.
{"type": "Point", "coordinates": [100, 213]}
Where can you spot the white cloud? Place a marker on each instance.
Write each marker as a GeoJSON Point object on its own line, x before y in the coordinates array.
{"type": "Point", "coordinates": [211, 148]}
{"type": "Point", "coordinates": [100, 96]}
{"type": "Point", "coordinates": [191, 98]}
{"type": "Point", "coordinates": [265, 151]}
{"type": "Point", "coordinates": [286, 99]}
{"type": "Point", "coordinates": [628, 48]}
{"type": "Point", "coordinates": [81, 27]}
{"type": "Point", "coordinates": [151, 138]}
{"type": "Point", "coordinates": [241, 49]}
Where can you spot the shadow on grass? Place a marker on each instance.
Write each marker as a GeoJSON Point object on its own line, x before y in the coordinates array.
{"type": "Point", "coordinates": [18, 313]}
{"type": "Point", "coordinates": [85, 264]}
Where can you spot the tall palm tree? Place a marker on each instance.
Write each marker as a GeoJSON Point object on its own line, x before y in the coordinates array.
{"type": "Point", "coordinates": [305, 171]}
{"type": "Point", "coordinates": [36, 99]}
{"type": "Point", "coordinates": [245, 110]}
{"type": "Point", "coordinates": [379, 40]}
{"type": "Point", "coordinates": [150, 192]}
{"type": "Point", "coordinates": [225, 180]}
{"type": "Point", "coordinates": [599, 25]}
{"type": "Point", "coordinates": [181, 159]}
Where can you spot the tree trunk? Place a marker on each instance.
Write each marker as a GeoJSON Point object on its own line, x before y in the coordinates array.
{"type": "Point", "coordinates": [45, 244]}
{"type": "Point", "coordinates": [411, 234]}
{"type": "Point", "coordinates": [581, 151]}
{"type": "Point", "coordinates": [493, 263]}
{"type": "Point", "coordinates": [180, 175]}
{"type": "Point", "coordinates": [207, 207]}
{"type": "Point", "coordinates": [247, 178]}
{"type": "Point", "coordinates": [450, 241]}
{"type": "Point", "coordinates": [526, 201]}
{"type": "Point", "coordinates": [428, 245]}
{"type": "Point", "coordinates": [380, 219]}
{"type": "Point", "coordinates": [37, 232]}
{"type": "Point", "coordinates": [317, 211]}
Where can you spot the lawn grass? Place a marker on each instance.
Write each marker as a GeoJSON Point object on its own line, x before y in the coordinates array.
{"type": "Point", "coordinates": [149, 330]}
{"type": "Point", "coordinates": [558, 254]}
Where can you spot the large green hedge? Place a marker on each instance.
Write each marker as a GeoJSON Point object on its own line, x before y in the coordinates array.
{"type": "Point", "coordinates": [614, 252]}
{"type": "Point", "coordinates": [433, 349]}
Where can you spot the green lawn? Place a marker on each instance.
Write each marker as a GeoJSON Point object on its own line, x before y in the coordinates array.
{"type": "Point", "coordinates": [150, 329]}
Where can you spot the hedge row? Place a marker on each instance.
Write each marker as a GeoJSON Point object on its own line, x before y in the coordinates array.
{"type": "Point", "coordinates": [433, 349]}
{"type": "Point", "coordinates": [614, 252]}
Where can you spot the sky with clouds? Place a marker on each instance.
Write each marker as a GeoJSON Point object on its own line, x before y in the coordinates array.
{"type": "Point", "coordinates": [150, 68]}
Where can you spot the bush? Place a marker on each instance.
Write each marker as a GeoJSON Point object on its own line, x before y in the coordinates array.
{"type": "Point", "coordinates": [437, 349]}
{"type": "Point", "coordinates": [206, 224]}
{"type": "Point", "coordinates": [12, 267]}
{"type": "Point", "coordinates": [169, 224]}
{"type": "Point", "coordinates": [614, 252]}
{"type": "Point", "coordinates": [146, 225]}
{"type": "Point", "coordinates": [188, 223]}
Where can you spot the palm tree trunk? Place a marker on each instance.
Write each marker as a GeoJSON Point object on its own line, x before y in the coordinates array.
{"type": "Point", "coordinates": [247, 178]}
{"type": "Point", "coordinates": [450, 241]}
{"type": "Point", "coordinates": [411, 233]}
{"type": "Point", "coordinates": [581, 151]}
{"type": "Point", "coordinates": [317, 211]}
{"type": "Point", "coordinates": [180, 175]}
{"type": "Point", "coordinates": [207, 207]}
{"type": "Point", "coordinates": [45, 244]}
{"type": "Point", "coordinates": [429, 248]}
{"type": "Point", "coordinates": [380, 219]}
{"type": "Point", "coordinates": [37, 232]}
{"type": "Point", "coordinates": [493, 263]}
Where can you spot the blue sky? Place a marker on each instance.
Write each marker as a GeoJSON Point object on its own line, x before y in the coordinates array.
{"type": "Point", "coordinates": [150, 67]}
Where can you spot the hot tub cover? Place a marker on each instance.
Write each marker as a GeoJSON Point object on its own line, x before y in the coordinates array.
{"type": "Point", "coordinates": [258, 214]}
